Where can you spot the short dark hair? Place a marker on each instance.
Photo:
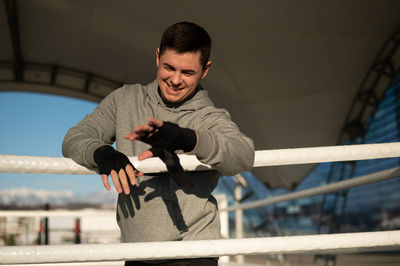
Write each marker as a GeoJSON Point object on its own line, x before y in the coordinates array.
{"type": "Point", "coordinates": [185, 37]}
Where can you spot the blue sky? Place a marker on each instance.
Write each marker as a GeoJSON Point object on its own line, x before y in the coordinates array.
{"type": "Point", "coordinates": [35, 124]}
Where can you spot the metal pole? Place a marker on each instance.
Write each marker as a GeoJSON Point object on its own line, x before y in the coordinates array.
{"type": "Point", "coordinates": [239, 218]}
{"type": "Point", "coordinates": [77, 230]}
{"type": "Point", "coordinates": [46, 225]}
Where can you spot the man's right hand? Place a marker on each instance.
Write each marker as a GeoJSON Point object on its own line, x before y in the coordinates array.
{"type": "Point", "coordinates": [117, 165]}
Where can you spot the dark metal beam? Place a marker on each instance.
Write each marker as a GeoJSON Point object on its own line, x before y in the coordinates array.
{"type": "Point", "coordinates": [384, 65]}
{"type": "Point", "coordinates": [91, 87]}
{"type": "Point", "coordinates": [12, 15]}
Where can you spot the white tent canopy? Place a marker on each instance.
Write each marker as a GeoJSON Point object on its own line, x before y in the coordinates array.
{"type": "Point", "coordinates": [287, 71]}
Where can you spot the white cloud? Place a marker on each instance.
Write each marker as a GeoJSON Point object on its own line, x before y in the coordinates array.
{"type": "Point", "coordinates": [27, 196]}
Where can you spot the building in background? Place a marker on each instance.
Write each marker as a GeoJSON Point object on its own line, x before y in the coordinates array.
{"type": "Point", "coordinates": [372, 207]}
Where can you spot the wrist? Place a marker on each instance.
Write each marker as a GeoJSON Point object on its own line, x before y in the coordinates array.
{"type": "Point", "coordinates": [189, 139]}
{"type": "Point", "coordinates": [100, 152]}
{"type": "Point", "coordinates": [202, 148]}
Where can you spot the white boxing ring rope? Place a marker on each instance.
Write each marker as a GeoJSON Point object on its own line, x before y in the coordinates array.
{"type": "Point", "coordinates": [52, 165]}
{"type": "Point", "coordinates": [333, 243]}
{"type": "Point", "coordinates": [337, 243]}
{"type": "Point", "coordinates": [329, 188]}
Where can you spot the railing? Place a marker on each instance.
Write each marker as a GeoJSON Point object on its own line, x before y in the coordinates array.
{"type": "Point", "coordinates": [52, 165]}
{"type": "Point", "coordinates": [337, 243]}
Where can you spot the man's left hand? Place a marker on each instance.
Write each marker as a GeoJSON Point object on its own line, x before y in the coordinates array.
{"type": "Point", "coordinates": [163, 136]}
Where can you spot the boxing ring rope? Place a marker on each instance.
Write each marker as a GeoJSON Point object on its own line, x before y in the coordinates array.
{"type": "Point", "coordinates": [53, 165]}
{"type": "Point", "coordinates": [329, 188]}
{"type": "Point", "coordinates": [337, 243]}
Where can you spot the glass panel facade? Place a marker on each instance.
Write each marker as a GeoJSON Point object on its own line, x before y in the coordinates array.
{"type": "Point", "coordinates": [372, 207]}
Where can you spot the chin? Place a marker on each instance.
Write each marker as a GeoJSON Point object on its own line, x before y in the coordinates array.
{"type": "Point", "coordinates": [173, 100]}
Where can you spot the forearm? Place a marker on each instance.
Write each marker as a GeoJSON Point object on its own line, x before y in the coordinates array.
{"type": "Point", "coordinates": [230, 153]}
{"type": "Point", "coordinates": [80, 147]}
{"type": "Point", "coordinates": [95, 130]}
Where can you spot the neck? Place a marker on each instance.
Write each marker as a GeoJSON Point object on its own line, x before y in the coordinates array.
{"type": "Point", "coordinates": [175, 105]}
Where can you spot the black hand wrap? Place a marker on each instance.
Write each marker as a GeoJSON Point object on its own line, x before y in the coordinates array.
{"type": "Point", "coordinates": [165, 141]}
{"type": "Point", "coordinates": [107, 159]}
{"type": "Point", "coordinates": [171, 137]}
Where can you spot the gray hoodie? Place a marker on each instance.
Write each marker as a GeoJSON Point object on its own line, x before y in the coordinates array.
{"type": "Point", "coordinates": [157, 209]}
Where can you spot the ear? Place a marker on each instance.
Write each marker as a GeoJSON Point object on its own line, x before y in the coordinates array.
{"type": "Point", "coordinates": [157, 56]}
{"type": "Point", "coordinates": [205, 70]}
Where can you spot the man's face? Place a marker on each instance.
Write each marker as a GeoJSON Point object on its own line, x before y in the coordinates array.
{"type": "Point", "coordinates": [179, 74]}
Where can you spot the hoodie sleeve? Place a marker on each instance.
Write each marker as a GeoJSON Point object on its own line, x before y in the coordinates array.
{"type": "Point", "coordinates": [221, 144]}
{"type": "Point", "coordinates": [95, 130]}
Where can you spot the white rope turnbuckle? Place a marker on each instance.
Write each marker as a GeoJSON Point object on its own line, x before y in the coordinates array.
{"type": "Point", "coordinates": [51, 165]}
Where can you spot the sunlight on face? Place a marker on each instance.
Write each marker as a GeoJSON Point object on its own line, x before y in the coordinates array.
{"type": "Point", "coordinates": [179, 74]}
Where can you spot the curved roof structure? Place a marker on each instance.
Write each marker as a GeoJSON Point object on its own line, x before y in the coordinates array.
{"type": "Point", "coordinates": [288, 71]}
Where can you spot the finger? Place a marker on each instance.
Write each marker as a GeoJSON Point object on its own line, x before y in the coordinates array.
{"type": "Point", "coordinates": [139, 132]}
{"type": "Point", "coordinates": [124, 181]}
{"type": "Point", "coordinates": [142, 129]}
{"type": "Point", "coordinates": [106, 184]}
{"type": "Point", "coordinates": [155, 122]}
{"type": "Point", "coordinates": [138, 173]}
{"type": "Point", "coordinates": [132, 136]}
{"type": "Point", "coordinates": [115, 179]}
{"type": "Point", "coordinates": [131, 174]}
{"type": "Point", "coordinates": [145, 155]}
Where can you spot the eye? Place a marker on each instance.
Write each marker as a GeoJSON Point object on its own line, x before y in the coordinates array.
{"type": "Point", "coordinates": [169, 68]}
{"type": "Point", "coordinates": [188, 73]}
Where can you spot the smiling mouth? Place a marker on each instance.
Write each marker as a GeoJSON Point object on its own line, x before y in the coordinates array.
{"type": "Point", "coordinates": [174, 89]}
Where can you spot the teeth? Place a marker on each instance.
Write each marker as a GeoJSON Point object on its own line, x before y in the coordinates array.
{"type": "Point", "coordinates": [173, 88]}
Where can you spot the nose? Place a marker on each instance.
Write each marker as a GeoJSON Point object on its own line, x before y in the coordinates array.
{"type": "Point", "coordinates": [176, 79]}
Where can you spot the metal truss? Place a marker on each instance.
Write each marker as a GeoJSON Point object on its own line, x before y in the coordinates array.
{"type": "Point", "coordinates": [47, 78]}
{"type": "Point", "coordinates": [382, 72]}
{"type": "Point", "coordinates": [56, 79]}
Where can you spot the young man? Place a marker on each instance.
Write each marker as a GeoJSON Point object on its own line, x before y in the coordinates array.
{"type": "Point", "coordinates": [173, 114]}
